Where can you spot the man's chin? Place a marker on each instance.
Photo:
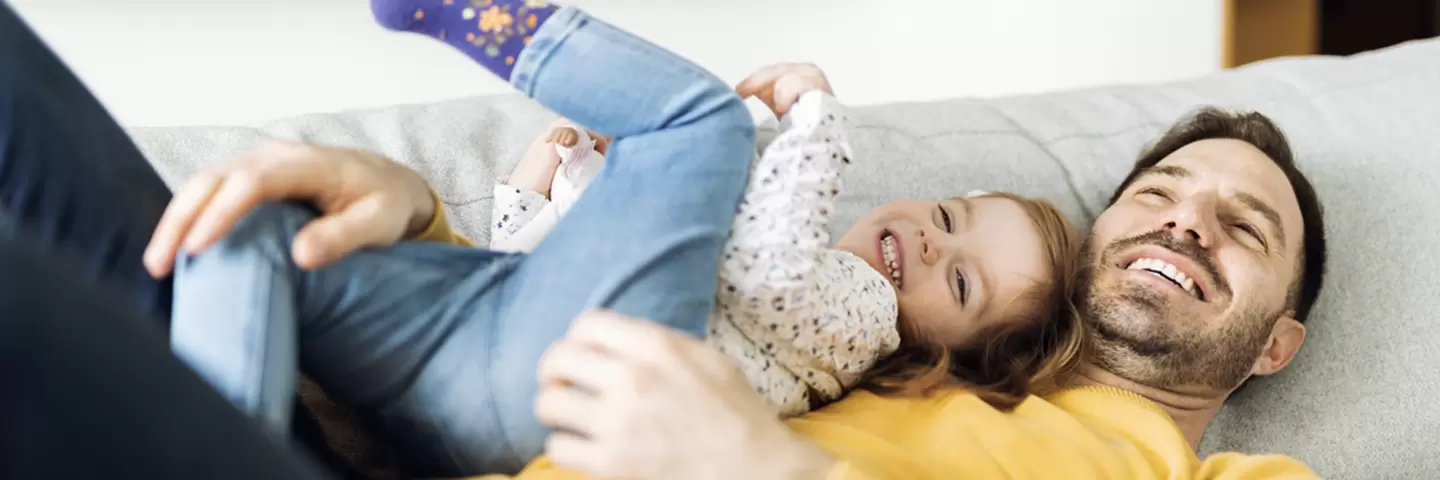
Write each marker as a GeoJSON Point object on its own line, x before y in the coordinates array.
{"type": "Point", "coordinates": [1134, 321]}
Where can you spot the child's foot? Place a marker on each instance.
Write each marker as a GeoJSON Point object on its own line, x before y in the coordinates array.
{"type": "Point", "coordinates": [492, 32]}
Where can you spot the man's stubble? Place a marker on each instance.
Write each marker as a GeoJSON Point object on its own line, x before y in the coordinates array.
{"type": "Point", "coordinates": [1136, 334]}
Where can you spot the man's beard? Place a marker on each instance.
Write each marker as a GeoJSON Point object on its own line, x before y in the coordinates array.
{"type": "Point", "coordinates": [1137, 334]}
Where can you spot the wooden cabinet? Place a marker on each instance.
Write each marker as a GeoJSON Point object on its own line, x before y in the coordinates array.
{"type": "Point", "coordinates": [1260, 29]}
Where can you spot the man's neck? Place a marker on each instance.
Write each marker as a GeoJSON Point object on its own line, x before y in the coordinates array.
{"type": "Point", "coordinates": [1190, 411]}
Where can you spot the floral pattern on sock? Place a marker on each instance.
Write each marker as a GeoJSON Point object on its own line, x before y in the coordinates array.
{"type": "Point", "coordinates": [491, 32]}
{"type": "Point", "coordinates": [499, 24]}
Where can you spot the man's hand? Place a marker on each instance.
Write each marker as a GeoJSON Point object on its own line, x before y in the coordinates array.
{"type": "Point", "coordinates": [779, 86]}
{"type": "Point", "coordinates": [632, 399]}
{"type": "Point", "coordinates": [366, 200]}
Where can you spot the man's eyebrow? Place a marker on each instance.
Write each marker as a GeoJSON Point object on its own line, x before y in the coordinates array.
{"type": "Point", "coordinates": [1163, 170]}
{"type": "Point", "coordinates": [1254, 203]}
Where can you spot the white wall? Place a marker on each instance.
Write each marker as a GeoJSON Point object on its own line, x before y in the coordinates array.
{"type": "Point", "coordinates": [173, 62]}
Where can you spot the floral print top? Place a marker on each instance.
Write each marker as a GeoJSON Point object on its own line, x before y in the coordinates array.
{"type": "Point", "coordinates": [802, 320]}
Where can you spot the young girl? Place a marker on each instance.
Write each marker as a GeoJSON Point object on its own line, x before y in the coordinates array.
{"type": "Point", "coordinates": [806, 321]}
{"type": "Point", "coordinates": [439, 343]}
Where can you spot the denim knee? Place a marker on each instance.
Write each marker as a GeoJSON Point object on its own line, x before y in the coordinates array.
{"type": "Point", "coordinates": [733, 118]}
{"type": "Point", "coordinates": [268, 230]}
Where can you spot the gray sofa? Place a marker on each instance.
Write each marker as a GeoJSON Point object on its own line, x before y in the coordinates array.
{"type": "Point", "coordinates": [1359, 400]}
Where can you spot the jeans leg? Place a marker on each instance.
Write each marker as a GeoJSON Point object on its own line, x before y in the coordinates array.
{"type": "Point", "coordinates": [91, 391]}
{"type": "Point", "coordinates": [69, 174]}
{"type": "Point", "coordinates": [645, 238]}
{"type": "Point", "coordinates": [363, 326]}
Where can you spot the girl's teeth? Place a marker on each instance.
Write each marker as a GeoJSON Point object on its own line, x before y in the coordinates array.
{"type": "Point", "coordinates": [888, 251]}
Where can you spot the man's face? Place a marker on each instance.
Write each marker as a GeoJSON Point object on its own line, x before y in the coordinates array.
{"type": "Point", "coordinates": [1190, 267]}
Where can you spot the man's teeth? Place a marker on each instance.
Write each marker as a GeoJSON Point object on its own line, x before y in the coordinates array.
{"type": "Point", "coordinates": [1166, 270]}
{"type": "Point", "coordinates": [892, 262]}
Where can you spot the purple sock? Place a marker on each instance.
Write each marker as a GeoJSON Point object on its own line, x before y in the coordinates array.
{"type": "Point", "coordinates": [492, 32]}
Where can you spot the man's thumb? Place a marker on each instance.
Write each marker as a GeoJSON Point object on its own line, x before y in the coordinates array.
{"type": "Point", "coordinates": [332, 237]}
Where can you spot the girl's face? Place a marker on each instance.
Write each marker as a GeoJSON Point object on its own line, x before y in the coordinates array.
{"type": "Point", "coordinates": [955, 264]}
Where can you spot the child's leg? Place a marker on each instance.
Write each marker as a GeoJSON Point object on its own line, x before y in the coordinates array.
{"type": "Point", "coordinates": [644, 239]}
{"type": "Point", "coordinates": [492, 32]}
{"type": "Point", "coordinates": [365, 323]}
{"type": "Point", "coordinates": [444, 342]}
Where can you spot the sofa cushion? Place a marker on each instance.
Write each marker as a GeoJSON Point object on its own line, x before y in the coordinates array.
{"type": "Point", "coordinates": [1357, 401]}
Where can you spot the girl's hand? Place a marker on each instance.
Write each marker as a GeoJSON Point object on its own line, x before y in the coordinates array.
{"type": "Point", "coordinates": [566, 136]}
{"type": "Point", "coordinates": [536, 169]}
{"type": "Point", "coordinates": [563, 136]}
{"type": "Point", "coordinates": [632, 399]}
{"type": "Point", "coordinates": [779, 86]}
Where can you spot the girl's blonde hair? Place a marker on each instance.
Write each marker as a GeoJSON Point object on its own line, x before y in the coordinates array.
{"type": "Point", "coordinates": [1028, 355]}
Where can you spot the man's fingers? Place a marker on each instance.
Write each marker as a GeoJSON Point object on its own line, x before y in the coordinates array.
{"type": "Point", "coordinates": [175, 223]}
{"type": "Point", "coordinates": [578, 363]}
{"type": "Point", "coordinates": [630, 338]}
{"type": "Point", "coordinates": [237, 195]}
{"type": "Point", "coordinates": [331, 237]}
{"type": "Point", "coordinates": [243, 189]}
{"type": "Point", "coordinates": [574, 452]}
{"type": "Point", "coordinates": [566, 408]}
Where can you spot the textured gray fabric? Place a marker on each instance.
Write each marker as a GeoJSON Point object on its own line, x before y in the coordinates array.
{"type": "Point", "coordinates": [1356, 403]}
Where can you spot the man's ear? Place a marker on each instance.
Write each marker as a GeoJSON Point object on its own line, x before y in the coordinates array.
{"type": "Point", "coordinates": [1285, 339]}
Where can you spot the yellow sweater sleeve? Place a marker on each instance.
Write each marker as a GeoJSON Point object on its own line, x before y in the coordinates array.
{"type": "Point", "coordinates": [1234, 466]}
{"type": "Point", "coordinates": [543, 469]}
{"type": "Point", "coordinates": [439, 229]}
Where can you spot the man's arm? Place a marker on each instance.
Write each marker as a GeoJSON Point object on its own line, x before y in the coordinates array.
{"type": "Point", "coordinates": [657, 388]}
{"type": "Point", "coordinates": [1236, 466]}
{"type": "Point", "coordinates": [438, 229]}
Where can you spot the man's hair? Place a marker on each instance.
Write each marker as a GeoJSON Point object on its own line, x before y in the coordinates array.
{"type": "Point", "coordinates": [1257, 130]}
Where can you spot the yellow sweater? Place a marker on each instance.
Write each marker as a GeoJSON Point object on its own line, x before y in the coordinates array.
{"type": "Point", "coordinates": [1078, 433]}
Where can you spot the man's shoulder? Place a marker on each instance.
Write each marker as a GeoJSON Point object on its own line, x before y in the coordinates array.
{"type": "Point", "coordinates": [955, 433]}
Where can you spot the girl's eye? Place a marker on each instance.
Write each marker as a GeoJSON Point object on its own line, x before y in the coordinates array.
{"type": "Point", "coordinates": [944, 217]}
{"type": "Point", "coordinates": [964, 289]}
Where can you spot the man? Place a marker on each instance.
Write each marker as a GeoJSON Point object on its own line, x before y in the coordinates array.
{"type": "Point", "coordinates": [1197, 277]}
{"type": "Point", "coordinates": [1218, 198]}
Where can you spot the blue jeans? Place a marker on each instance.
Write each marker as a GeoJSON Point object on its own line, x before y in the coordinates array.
{"type": "Point", "coordinates": [91, 389]}
{"type": "Point", "coordinates": [71, 177]}
{"type": "Point", "coordinates": [440, 343]}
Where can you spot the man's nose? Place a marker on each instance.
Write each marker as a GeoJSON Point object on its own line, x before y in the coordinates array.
{"type": "Point", "coordinates": [1193, 220]}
